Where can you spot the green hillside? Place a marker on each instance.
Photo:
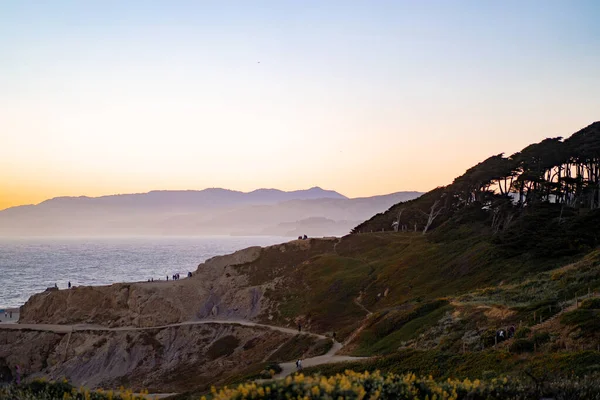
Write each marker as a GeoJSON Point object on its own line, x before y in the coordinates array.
{"type": "Point", "coordinates": [510, 242]}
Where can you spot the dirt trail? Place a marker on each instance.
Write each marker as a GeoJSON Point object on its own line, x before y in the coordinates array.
{"type": "Point", "coordinates": [287, 368]}
{"type": "Point", "coordinates": [365, 309]}
{"type": "Point", "coordinates": [327, 358]}
{"type": "Point", "coordinates": [56, 328]}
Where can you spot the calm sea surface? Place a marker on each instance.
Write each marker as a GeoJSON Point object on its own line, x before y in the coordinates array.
{"type": "Point", "coordinates": [30, 265]}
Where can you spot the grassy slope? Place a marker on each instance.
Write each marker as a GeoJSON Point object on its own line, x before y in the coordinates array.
{"type": "Point", "coordinates": [486, 364]}
{"type": "Point", "coordinates": [319, 285]}
{"type": "Point", "coordinates": [433, 296]}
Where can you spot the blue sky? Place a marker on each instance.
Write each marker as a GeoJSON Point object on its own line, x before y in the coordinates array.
{"type": "Point", "coordinates": [113, 96]}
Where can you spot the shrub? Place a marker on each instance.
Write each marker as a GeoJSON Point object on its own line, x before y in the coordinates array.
{"type": "Point", "coordinates": [522, 346]}
{"type": "Point", "coordinates": [540, 338]}
{"type": "Point", "coordinates": [40, 389]}
{"type": "Point", "coordinates": [590, 304]}
{"type": "Point", "coordinates": [488, 338]}
{"type": "Point", "coordinates": [274, 367]}
{"type": "Point", "coordinates": [522, 332]}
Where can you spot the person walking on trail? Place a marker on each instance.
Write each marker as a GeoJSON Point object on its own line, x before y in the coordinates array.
{"type": "Point", "coordinates": [299, 364]}
{"type": "Point", "coordinates": [69, 284]}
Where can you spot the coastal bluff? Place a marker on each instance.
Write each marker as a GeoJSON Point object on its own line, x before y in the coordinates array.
{"type": "Point", "coordinates": [219, 288]}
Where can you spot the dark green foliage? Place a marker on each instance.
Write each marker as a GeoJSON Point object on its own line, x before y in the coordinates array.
{"type": "Point", "coordinates": [541, 338]}
{"type": "Point", "coordinates": [588, 321]}
{"type": "Point", "coordinates": [555, 182]}
{"type": "Point", "coordinates": [521, 346]}
{"type": "Point", "coordinates": [522, 332]}
{"type": "Point", "coordinates": [488, 338]}
{"type": "Point", "coordinates": [222, 347]}
{"type": "Point", "coordinates": [590, 304]}
{"type": "Point", "coordinates": [274, 367]}
{"type": "Point", "coordinates": [44, 390]}
{"type": "Point", "coordinates": [53, 389]}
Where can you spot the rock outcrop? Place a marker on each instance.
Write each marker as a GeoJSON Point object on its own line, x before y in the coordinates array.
{"type": "Point", "coordinates": [216, 289]}
{"type": "Point", "coordinates": [225, 287]}
{"type": "Point", "coordinates": [161, 360]}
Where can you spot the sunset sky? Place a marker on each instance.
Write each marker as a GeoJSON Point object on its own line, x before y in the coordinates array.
{"type": "Point", "coordinates": [363, 97]}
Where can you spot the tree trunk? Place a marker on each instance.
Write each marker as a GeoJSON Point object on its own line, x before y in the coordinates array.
{"type": "Point", "coordinates": [433, 213]}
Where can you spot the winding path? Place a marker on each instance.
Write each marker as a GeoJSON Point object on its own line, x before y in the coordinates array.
{"type": "Point", "coordinates": [59, 328]}
{"type": "Point", "coordinates": [287, 368]}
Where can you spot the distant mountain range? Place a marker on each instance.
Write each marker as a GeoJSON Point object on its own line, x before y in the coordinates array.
{"type": "Point", "coordinates": [315, 212]}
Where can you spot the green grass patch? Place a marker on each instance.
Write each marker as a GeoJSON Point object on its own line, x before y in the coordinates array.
{"type": "Point", "coordinates": [389, 329]}
{"type": "Point", "coordinates": [475, 365]}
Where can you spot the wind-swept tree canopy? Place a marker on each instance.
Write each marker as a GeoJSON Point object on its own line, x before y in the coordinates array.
{"type": "Point", "coordinates": [553, 171]}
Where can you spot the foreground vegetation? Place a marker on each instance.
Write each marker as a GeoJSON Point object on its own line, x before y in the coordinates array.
{"type": "Point", "coordinates": [347, 385]}
{"type": "Point", "coordinates": [353, 385]}
{"type": "Point", "coordinates": [482, 365]}
{"type": "Point", "coordinates": [44, 390]}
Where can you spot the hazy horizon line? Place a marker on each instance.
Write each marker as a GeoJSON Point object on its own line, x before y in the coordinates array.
{"type": "Point", "coordinates": [207, 188]}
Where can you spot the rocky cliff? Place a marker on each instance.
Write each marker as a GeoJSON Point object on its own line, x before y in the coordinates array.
{"type": "Point", "coordinates": [215, 289]}
{"type": "Point", "coordinates": [219, 288]}
{"type": "Point", "coordinates": [161, 360]}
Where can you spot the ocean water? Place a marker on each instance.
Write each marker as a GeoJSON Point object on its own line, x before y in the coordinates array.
{"type": "Point", "coordinates": [30, 265]}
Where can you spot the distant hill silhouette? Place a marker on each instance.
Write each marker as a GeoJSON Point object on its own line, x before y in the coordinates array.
{"type": "Point", "coordinates": [188, 200]}
{"type": "Point", "coordinates": [192, 212]}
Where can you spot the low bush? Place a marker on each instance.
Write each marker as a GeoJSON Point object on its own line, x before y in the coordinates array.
{"type": "Point", "coordinates": [590, 304]}
{"type": "Point", "coordinates": [522, 332]}
{"type": "Point", "coordinates": [540, 338]}
{"type": "Point", "coordinates": [44, 390]}
{"type": "Point", "coordinates": [521, 346]}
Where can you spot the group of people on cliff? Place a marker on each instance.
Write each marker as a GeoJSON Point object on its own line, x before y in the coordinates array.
{"type": "Point", "coordinates": [302, 237]}
{"type": "Point", "coordinates": [176, 277]}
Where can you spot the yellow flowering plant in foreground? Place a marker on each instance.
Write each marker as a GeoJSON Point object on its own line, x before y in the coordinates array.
{"type": "Point", "coordinates": [354, 385]}
{"type": "Point", "coordinates": [349, 385]}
